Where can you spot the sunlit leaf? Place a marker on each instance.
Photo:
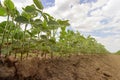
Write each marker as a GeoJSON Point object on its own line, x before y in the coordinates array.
{"type": "Point", "coordinates": [38, 4]}
{"type": "Point", "coordinates": [2, 11]}
{"type": "Point", "coordinates": [9, 4]}
{"type": "Point", "coordinates": [44, 23]}
{"type": "Point", "coordinates": [65, 22]}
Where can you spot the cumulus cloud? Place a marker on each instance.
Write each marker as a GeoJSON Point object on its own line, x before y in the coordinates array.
{"type": "Point", "coordinates": [77, 13]}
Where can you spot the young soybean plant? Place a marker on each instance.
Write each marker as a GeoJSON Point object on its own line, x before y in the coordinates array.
{"type": "Point", "coordinates": [7, 10]}
{"type": "Point", "coordinates": [27, 18]}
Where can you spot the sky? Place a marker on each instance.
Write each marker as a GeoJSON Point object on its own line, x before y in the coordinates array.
{"type": "Point", "coordinates": [98, 18]}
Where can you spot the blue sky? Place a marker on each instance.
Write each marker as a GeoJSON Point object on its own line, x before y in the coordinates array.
{"type": "Point", "coordinates": [99, 18]}
{"type": "Point", "coordinates": [87, 1]}
{"type": "Point", "coordinates": [48, 3]}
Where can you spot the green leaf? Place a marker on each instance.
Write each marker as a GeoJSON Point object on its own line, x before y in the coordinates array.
{"type": "Point", "coordinates": [30, 9]}
{"type": "Point", "coordinates": [26, 15]}
{"type": "Point", "coordinates": [53, 23]}
{"type": "Point", "coordinates": [52, 40]}
{"type": "Point", "coordinates": [21, 19]}
{"type": "Point", "coordinates": [18, 34]}
{"type": "Point", "coordinates": [11, 25]}
{"type": "Point", "coordinates": [2, 11]}
{"type": "Point", "coordinates": [44, 23]}
{"type": "Point", "coordinates": [46, 14]}
{"type": "Point", "coordinates": [43, 37]}
{"type": "Point", "coordinates": [38, 4]}
{"type": "Point", "coordinates": [14, 12]}
{"type": "Point", "coordinates": [1, 30]}
{"type": "Point", "coordinates": [45, 17]}
{"type": "Point", "coordinates": [38, 22]}
{"type": "Point", "coordinates": [9, 4]}
{"type": "Point", "coordinates": [64, 23]}
{"type": "Point", "coordinates": [34, 31]}
{"type": "Point", "coordinates": [3, 24]}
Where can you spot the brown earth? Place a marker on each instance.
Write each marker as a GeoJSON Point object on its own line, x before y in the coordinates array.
{"type": "Point", "coordinates": [77, 67]}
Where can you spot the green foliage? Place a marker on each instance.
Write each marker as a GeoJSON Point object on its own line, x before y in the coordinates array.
{"type": "Point", "coordinates": [43, 35]}
{"type": "Point", "coordinates": [8, 4]}
{"type": "Point", "coordinates": [2, 11]}
{"type": "Point", "coordinates": [30, 9]}
{"type": "Point", "coordinates": [38, 4]}
{"type": "Point", "coordinates": [21, 19]}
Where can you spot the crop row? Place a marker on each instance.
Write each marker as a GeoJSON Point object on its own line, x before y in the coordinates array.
{"type": "Point", "coordinates": [33, 30]}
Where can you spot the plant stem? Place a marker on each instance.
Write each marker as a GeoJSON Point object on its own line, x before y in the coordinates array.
{"type": "Point", "coordinates": [23, 45]}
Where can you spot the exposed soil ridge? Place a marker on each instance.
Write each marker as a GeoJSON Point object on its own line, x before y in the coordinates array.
{"type": "Point", "coordinates": [76, 67]}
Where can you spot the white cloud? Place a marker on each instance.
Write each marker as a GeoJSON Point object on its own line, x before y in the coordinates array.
{"type": "Point", "coordinates": [77, 14]}
{"type": "Point", "coordinates": [111, 42]}
{"type": "Point", "coordinates": [112, 8]}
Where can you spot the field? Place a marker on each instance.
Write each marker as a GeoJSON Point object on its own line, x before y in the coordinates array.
{"type": "Point", "coordinates": [75, 67]}
{"type": "Point", "coordinates": [36, 46]}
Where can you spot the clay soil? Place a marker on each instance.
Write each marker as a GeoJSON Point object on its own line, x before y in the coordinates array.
{"type": "Point", "coordinates": [76, 67]}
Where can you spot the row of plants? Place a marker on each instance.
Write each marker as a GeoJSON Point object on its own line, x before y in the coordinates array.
{"type": "Point", "coordinates": [33, 30]}
{"type": "Point", "coordinates": [118, 52]}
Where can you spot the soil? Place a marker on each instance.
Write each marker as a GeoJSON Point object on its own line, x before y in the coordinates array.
{"type": "Point", "coordinates": [75, 67]}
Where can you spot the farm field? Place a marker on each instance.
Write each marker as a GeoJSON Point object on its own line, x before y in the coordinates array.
{"type": "Point", "coordinates": [36, 46]}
